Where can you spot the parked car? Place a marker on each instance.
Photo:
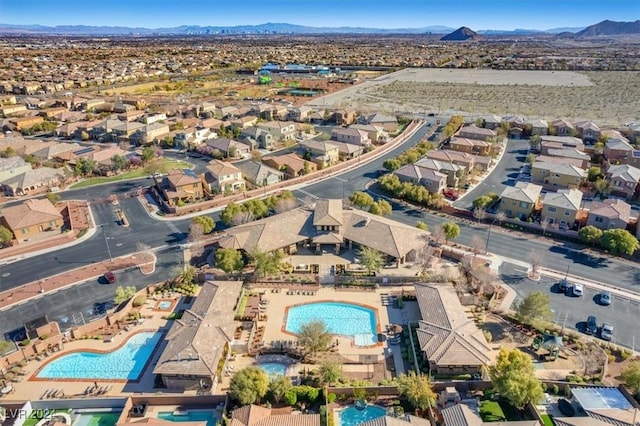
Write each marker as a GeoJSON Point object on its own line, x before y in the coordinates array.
{"type": "Point", "coordinates": [110, 277]}
{"type": "Point", "coordinates": [450, 194]}
{"type": "Point", "coordinates": [578, 290]}
{"type": "Point", "coordinates": [606, 333]}
{"type": "Point", "coordinates": [592, 325]}
{"type": "Point", "coordinates": [605, 298]}
{"type": "Point", "coordinates": [563, 286]}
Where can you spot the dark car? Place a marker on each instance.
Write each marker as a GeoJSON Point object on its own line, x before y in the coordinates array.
{"type": "Point", "coordinates": [592, 325]}
{"type": "Point", "coordinates": [110, 277]}
{"type": "Point", "coordinates": [605, 298]}
{"type": "Point", "coordinates": [563, 286]}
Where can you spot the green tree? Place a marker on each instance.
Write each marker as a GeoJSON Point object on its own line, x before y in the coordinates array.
{"type": "Point", "coordinates": [602, 187]}
{"type": "Point", "coordinates": [531, 158]}
{"type": "Point", "coordinates": [392, 164]}
{"type": "Point", "coordinates": [314, 337]}
{"type": "Point", "coordinates": [124, 293]}
{"type": "Point", "coordinates": [266, 263]}
{"type": "Point", "coordinates": [590, 234]}
{"type": "Point", "coordinates": [329, 372]}
{"type": "Point", "coordinates": [229, 260]}
{"type": "Point", "coordinates": [371, 259]}
{"type": "Point", "coordinates": [230, 212]}
{"type": "Point", "coordinates": [279, 386]}
{"type": "Point", "coordinates": [249, 385]}
{"type": "Point", "coordinates": [619, 241]}
{"type": "Point", "coordinates": [118, 162]}
{"type": "Point", "coordinates": [417, 389]}
{"type": "Point", "coordinates": [207, 223]}
{"type": "Point", "coordinates": [514, 378]}
{"type": "Point", "coordinates": [451, 230]}
{"type": "Point", "coordinates": [84, 167]}
{"type": "Point", "coordinates": [5, 235]}
{"type": "Point", "coordinates": [52, 197]}
{"type": "Point", "coordinates": [422, 226]}
{"type": "Point", "coordinates": [631, 376]}
{"type": "Point", "coordinates": [380, 208]}
{"type": "Point", "coordinates": [534, 309]}
{"type": "Point", "coordinates": [594, 173]}
{"type": "Point", "coordinates": [483, 201]}
{"type": "Point", "coordinates": [361, 199]}
{"type": "Point", "coordinates": [148, 154]}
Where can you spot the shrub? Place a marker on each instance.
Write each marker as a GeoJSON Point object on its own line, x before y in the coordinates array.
{"type": "Point", "coordinates": [44, 337]}
{"type": "Point", "coordinates": [331, 398]}
{"type": "Point", "coordinates": [290, 397]}
{"type": "Point", "coordinates": [625, 354]}
{"type": "Point", "coordinates": [25, 342]}
{"type": "Point", "coordinates": [555, 389]}
{"type": "Point", "coordinates": [139, 301]}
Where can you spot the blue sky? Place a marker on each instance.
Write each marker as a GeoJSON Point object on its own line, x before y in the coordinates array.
{"type": "Point", "coordinates": [476, 14]}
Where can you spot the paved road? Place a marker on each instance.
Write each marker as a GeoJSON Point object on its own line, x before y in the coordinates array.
{"type": "Point", "coordinates": [573, 311]}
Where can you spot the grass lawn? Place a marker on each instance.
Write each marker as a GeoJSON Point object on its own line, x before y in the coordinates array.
{"type": "Point", "coordinates": [35, 414]}
{"type": "Point", "coordinates": [241, 305]}
{"type": "Point", "coordinates": [490, 411]}
{"type": "Point", "coordinates": [547, 420]}
{"type": "Point", "coordinates": [161, 167]}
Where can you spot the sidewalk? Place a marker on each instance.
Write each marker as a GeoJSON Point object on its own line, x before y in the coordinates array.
{"type": "Point", "coordinates": [144, 261]}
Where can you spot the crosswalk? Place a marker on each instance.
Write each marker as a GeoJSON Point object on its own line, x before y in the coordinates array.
{"type": "Point", "coordinates": [172, 226]}
{"type": "Point", "coordinates": [308, 194]}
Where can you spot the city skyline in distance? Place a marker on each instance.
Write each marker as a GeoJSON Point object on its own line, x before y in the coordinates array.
{"type": "Point", "coordinates": [402, 14]}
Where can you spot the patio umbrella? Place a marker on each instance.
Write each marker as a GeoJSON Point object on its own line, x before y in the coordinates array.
{"type": "Point", "coordinates": [396, 328]}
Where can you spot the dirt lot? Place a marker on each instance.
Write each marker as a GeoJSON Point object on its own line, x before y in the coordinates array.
{"type": "Point", "coordinates": [609, 98]}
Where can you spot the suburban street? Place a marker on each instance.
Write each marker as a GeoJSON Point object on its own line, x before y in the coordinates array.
{"type": "Point", "coordinates": [164, 236]}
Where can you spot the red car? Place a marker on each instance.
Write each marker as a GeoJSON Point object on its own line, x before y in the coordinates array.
{"type": "Point", "coordinates": [450, 194]}
{"type": "Point", "coordinates": [110, 277]}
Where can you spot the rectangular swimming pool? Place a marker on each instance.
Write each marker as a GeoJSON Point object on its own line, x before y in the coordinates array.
{"type": "Point", "coordinates": [211, 417]}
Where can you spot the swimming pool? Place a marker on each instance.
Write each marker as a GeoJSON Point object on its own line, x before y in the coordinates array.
{"type": "Point", "coordinates": [347, 319]}
{"type": "Point", "coordinates": [164, 305]}
{"type": "Point", "coordinates": [96, 419]}
{"type": "Point", "coordinates": [273, 368]}
{"type": "Point", "coordinates": [190, 416]}
{"type": "Point", "coordinates": [125, 363]}
{"type": "Point", "coordinates": [352, 416]}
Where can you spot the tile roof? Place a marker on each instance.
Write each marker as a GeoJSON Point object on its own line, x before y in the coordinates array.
{"type": "Point", "coordinates": [564, 198]}
{"type": "Point", "coordinates": [473, 129]}
{"type": "Point", "coordinates": [522, 191]}
{"type": "Point", "coordinates": [31, 212]}
{"type": "Point", "coordinates": [406, 420]}
{"type": "Point", "coordinates": [612, 208]}
{"type": "Point", "coordinates": [35, 178]}
{"type": "Point", "coordinates": [431, 163]}
{"type": "Point", "coordinates": [221, 168]}
{"type": "Point", "coordinates": [254, 415]}
{"type": "Point", "coordinates": [559, 160]}
{"type": "Point", "coordinates": [328, 213]}
{"type": "Point", "coordinates": [560, 168]}
{"type": "Point", "coordinates": [468, 142]}
{"type": "Point", "coordinates": [564, 140]}
{"type": "Point", "coordinates": [417, 172]}
{"type": "Point", "coordinates": [256, 172]}
{"type": "Point", "coordinates": [619, 144]}
{"type": "Point", "coordinates": [11, 163]}
{"type": "Point", "coordinates": [569, 153]}
{"type": "Point", "coordinates": [460, 415]}
{"type": "Point", "coordinates": [625, 172]}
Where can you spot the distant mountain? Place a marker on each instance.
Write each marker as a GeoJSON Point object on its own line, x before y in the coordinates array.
{"type": "Point", "coordinates": [461, 34]}
{"type": "Point", "coordinates": [564, 30]}
{"type": "Point", "coordinates": [517, 31]}
{"type": "Point", "coordinates": [267, 28]}
{"type": "Point", "coordinates": [609, 28]}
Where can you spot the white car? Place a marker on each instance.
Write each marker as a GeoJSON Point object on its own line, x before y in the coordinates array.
{"type": "Point", "coordinates": [578, 290]}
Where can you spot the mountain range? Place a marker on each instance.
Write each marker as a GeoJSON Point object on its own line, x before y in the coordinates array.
{"type": "Point", "coordinates": [604, 28]}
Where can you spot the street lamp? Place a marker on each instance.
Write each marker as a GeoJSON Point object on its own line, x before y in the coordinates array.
{"type": "Point", "coordinates": [20, 347]}
{"type": "Point", "coordinates": [486, 246]}
{"type": "Point", "coordinates": [106, 241]}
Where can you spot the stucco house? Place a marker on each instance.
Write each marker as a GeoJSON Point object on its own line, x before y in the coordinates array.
{"type": "Point", "coordinates": [350, 135]}
{"type": "Point", "coordinates": [434, 181]}
{"type": "Point", "coordinates": [609, 214]}
{"type": "Point", "coordinates": [538, 127]}
{"type": "Point", "coordinates": [260, 174]}
{"type": "Point", "coordinates": [561, 207]}
{"type": "Point", "coordinates": [555, 175]}
{"type": "Point", "coordinates": [618, 151]}
{"type": "Point", "coordinates": [563, 128]}
{"type": "Point", "coordinates": [30, 218]}
{"type": "Point", "coordinates": [221, 176]}
{"type": "Point", "coordinates": [324, 154]}
{"type": "Point", "coordinates": [588, 131]}
{"type": "Point", "coordinates": [388, 123]}
{"type": "Point", "coordinates": [291, 164]}
{"type": "Point", "coordinates": [280, 130]}
{"type": "Point", "coordinates": [623, 180]}
{"type": "Point", "coordinates": [180, 185]}
{"type": "Point", "coordinates": [470, 146]}
{"type": "Point", "coordinates": [454, 172]}
{"type": "Point", "coordinates": [474, 132]}
{"type": "Point", "coordinates": [520, 200]}
{"type": "Point", "coordinates": [229, 148]}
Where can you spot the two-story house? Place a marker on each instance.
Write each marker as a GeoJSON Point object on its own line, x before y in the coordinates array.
{"type": "Point", "coordinates": [149, 133]}
{"type": "Point", "coordinates": [280, 130]}
{"type": "Point", "coordinates": [520, 200]}
{"type": "Point", "coordinates": [623, 180]}
{"type": "Point", "coordinates": [258, 136]}
{"type": "Point", "coordinates": [291, 164]}
{"type": "Point", "coordinates": [538, 127]}
{"type": "Point", "coordinates": [350, 135]}
{"type": "Point", "coordinates": [434, 181]}
{"type": "Point", "coordinates": [609, 214]}
{"type": "Point", "coordinates": [229, 147]}
{"type": "Point", "coordinates": [453, 171]}
{"type": "Point", "coordinates": [561, 207]}
{"type": "Point", "coordinates": [588, 131]}
{"type": "Point", "coordinates": [563, 128]}
{"type": "Point", "coordinates": [223, 177]}
{"type": "Point", "coordinates": [470, 146]}
{"type": "Point", "coordinates": [554, 175]}
{"type": "Point", "coordinates": [468, 161]}
{"type": "Point", "coordinates": [123, 131]}
{"type": "Point", "coordinates": [300, 114]}
{"type": "Point", "coordinates": [388, 123]}
{"type": "Point", "coordinates": [618, 151]}
{"type": "Point", "coordinates": [344, 117]}
{"type": "Point", "coordinates": [474, 132]}
{"type": "Point", "coordinates": [376, 134]}
{"type": "Point", "coordinates": [324, 154]}
{"type": "Point", "coordinates": [180, 186]}
{"type": "Point", "coordinates": [491, 121]}
{"type": "Point", "coordinates": [260, 174]}
{"type": "Point", "coordinates": [28, 219]}
{"type": "Point", "coordinates": [581, 159]}
{"type": "Point", "coordinates": [556, 142]}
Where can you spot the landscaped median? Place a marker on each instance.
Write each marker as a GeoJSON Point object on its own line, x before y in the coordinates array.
{"type": "Point", "coordinates": [143, 260]}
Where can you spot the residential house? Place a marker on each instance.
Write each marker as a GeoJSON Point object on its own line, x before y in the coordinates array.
{"type": "Point", "coordinates": [154, 118]}
{"type": "Point", "coordinates": [350, 135]}
{"type": "Point", "coordinates": [562, 160]}
{"type": "Point", "coordinates": [563, 128]}
{"type": "Point", "coordinates": [199, 342]}
{"type": "Point", "coordinates": [561, 207]}
{"type": "Point", "coordinates": [30, 218]}
{"type": "Point", "coordinates": [9, 110]}
{"type": "Point", "coordinates": [634, 133]}
{"type": "Point", "coordinates": [323, 153]}
{"type": "Point", "coordinates": [588, 131]}
{"type": "Point", "coordinates": [255, 415]}
{"type": "Point", "coordinates": [538, 127]}
{"type": "Point", "coordinates": [192, 136]}
{"type": "Point", "coordinates": [300, 114]}
{"type": "Point", "coordinates": [100, 130]}
{"type": "Point", "coordinates": [180, 186]}
{"type": "Point", "coordinates": [434, 181]}
{"type": "Point", "coordinates": [347, 151]}
{"type": "Point", "coordinates": [51, 112]}
{"type": "Point", "coordinates": [69, 130]}
{"type": "Point", "coordinates": [229, 147]}
{"type": "Point", "coordinates": [205, 107]}
{"type": "Point", "coordinates": [344, 117]}
{"type": "Point", "coordinates": [609, 214]}
{"type": "Point", "coordinates": [260, 174]}
{"type": "Point", "coordinates": [131, 115]}
{"type": "Point", "coordinates": [516, 127]}
{"type": "Point", "coordinates": [12, 166]}
{"type": "Point", "coordinates": [91, 105]}
{"type": "Point", "coordinates": [468, 161]}
{"type": "Point", "coordinates": [256, 135]}
{"type": "Point", "coordinates": [618, 151]}
{"type": "Point", "coordinates": [291, 164]}
{"type": "Point", "coordinates": [123, 131]}
{"type": "Point", "coordinates": [520, 200]}
{"type": "Point", "coordinates": [623, 180]}
{"type": "Point", "coordinates": [57, 151]}
{"type": "Point", "coordinates": [475, 132]}
{"type": "Point", "coordinates": [556, 142]}
{"type": "Point", "coordinates": [26, 122]}
{"type": "Point", "coordinates": [280, 130]}
{"type": "Point", "coordinates": [554, 175]}
{"type": "Point", "coordinates": [223, 177]}
{"type": "Point", "coordinates": [226, 112]}
{"type": "Point", "coordinates": [150, 133]}
{"type": "Point", "coordinates": [388, 123]}
{"type": "Point", "coordinates": [318, 117]}
{"type": "Point", "coordinates": [454, 172]}
{"type": "Point", "coordinates": [244, 122]}
{"type": "Point", "coordinates": [470, 146]}
{"type": "Point", "coordinates": [449, 339]}
{"type": "Point", "coordinates": [582, 159]}
{"type": "Point", "coordinates": [600, 406]}
{"type": "Point", "coordinates": [491, 121]}
{"type": "Point", "coordinates": [33, 181]}
{"type": "Point", "coordinates": [464, 415]}
{"type": "Point", "coordinates": [376, 134]}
